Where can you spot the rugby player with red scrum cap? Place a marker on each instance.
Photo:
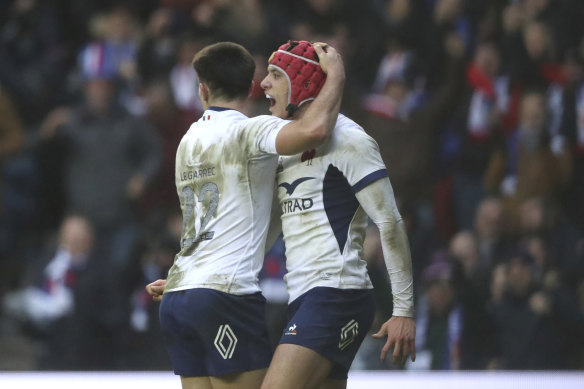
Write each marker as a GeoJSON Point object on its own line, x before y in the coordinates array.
{"type": "Point", "coordinates": [212, 312]}
{"type": "Point", "coordinates": [326, 195]}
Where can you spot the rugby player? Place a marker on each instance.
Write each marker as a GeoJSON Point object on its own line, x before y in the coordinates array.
{"type": "Point", "coordinates": [326, 195]}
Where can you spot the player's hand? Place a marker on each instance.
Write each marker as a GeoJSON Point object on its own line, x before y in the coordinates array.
{"type": "Point", "coordinates": [330, 60]}
{"type": "Point", "coordinates": [155, 289]}
{"type": "Point", "coordinates": [401, 335]}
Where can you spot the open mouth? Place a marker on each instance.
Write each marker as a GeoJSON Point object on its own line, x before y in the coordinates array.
{"type": "Point", "coordinates": [272, 100]}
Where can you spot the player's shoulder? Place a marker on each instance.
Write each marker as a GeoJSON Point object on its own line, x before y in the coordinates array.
{"type": "Point", "coordinates": [260, 120]}
{"type": "Point", "coordinates": [222, 121]}
{"type": "Point", "coordinates": [347, 131]}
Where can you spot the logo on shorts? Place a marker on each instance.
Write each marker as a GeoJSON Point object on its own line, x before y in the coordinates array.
{"type": "Point", "coordinates": [225, 341]}
{"type": "Point", "coordinates": [348, 334]}
{"type": "Point", "coordinates": [291, 330]}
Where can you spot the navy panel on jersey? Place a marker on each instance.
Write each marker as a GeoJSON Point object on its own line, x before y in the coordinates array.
{"type": "Point", "coordinates": [340, 203]}
{"type": "Point", "coordinates": [211, 333]}
{"type": "Point", "coordinates": [333, 322]}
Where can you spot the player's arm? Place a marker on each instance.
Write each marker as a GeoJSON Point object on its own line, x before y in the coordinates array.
{"type": "Point", "coordinates": [378, 201]}
{"type": "Point", "coordinates": [320, 117]}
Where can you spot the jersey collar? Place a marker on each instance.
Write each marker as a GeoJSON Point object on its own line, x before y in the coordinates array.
{"type": "Point", "coordinates": [219, 109]}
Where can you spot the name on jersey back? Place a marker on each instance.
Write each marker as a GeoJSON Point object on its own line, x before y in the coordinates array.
{"type": "Point", "coordinates": [200, 173]}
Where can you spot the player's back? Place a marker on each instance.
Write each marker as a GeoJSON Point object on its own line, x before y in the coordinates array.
{"type": "Point", "coordinates": [225, 172]}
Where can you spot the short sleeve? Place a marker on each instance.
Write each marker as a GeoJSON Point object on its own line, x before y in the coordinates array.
{"type": "Point", "coordinates": [261, 133]}
{"type": "Point", "coordinates": [361, 161]}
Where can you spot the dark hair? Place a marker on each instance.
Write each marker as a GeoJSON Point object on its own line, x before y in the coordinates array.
{"type": "Point", "coordinates": [226, 68]}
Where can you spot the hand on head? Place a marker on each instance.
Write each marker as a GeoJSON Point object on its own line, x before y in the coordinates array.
{"type": "Point", "coordinates": [330, 60]}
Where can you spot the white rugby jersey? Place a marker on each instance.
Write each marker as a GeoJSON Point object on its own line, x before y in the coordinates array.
{"type": "Point", "coordinates": [225, 172]}
{"type": "Point", "coordinates": [322, 221]}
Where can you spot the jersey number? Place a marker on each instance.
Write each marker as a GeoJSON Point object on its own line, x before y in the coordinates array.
{"type": "Point", "coordinates": [188, 200]}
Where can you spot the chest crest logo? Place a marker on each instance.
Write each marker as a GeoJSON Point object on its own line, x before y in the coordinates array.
{"type": "Point", "coordinates": [307, 156]}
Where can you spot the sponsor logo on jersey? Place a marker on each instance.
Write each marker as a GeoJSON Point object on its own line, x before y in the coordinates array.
{"type": "Point", "coordinates": [293, 205]}
{"type": "Point", "coordinates": [225, 341]}
{"type": "Point", "coordinates": [290, 188]}
{"type": "Point", "coordinates": [348, 334]}
{"type": "Point", "coordinates": [291, 330]}
{"type": "Point", "coordinates": [289, 206]}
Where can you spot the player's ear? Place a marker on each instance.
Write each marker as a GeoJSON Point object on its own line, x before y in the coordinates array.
{"type": "Point", "coordinates": [203, 92]}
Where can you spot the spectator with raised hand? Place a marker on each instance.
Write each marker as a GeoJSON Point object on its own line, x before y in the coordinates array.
{"type": "Point", "coordinates": [477, 125]}
{"type": "Point", "coordinates": [99, 133]}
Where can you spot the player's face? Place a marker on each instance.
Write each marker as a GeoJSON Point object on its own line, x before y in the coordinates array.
{"type": "Point", "coordinates": [275, 87]}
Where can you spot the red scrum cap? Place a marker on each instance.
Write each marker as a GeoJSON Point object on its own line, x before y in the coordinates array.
{"type": "Point", "coordinates": [299, 62]}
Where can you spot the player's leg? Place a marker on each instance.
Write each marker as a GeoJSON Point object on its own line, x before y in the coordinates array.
{"type": "Point", "coordinates": [330, 383]}
{"type": "Point", "coordinates": [295, 366]}
{"type": "Point", "coordinates": [249, 379]}
{"type": "Point", "coordinates": [319, 344]}
{"type": "Point", "coordinates": [195, 383]}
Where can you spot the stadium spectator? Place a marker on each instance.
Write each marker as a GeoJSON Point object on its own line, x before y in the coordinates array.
{"type": "Point", "coordinates": [406, 127]}
{"type": "Point", "coordinates": [11, 142]}
{"type": "Point", "coordinates": [111, 156]}
{"type": "Point", "coordinates": [528, 166]}
{"type": "Point", "coordinates": [472, 284]}
{"type": "Point", "coordinates": [439, 318]}
{"type": "Point", "coordinates": [530, 319]}
{"type": "Point", "coordinates": [477, 125]}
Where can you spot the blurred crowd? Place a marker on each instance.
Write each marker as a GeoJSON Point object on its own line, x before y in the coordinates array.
{"type": "Point", "coordinates": [478, 109]}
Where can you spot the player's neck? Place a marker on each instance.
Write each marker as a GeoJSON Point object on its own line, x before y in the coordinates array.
{"type": "Point", "coordinates": [300, 111]}
{"type": "Point", "coordinates": [237, 104]}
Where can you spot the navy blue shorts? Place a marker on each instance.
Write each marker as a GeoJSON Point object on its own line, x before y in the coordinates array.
{"type": "Point", "coordinates": [211, 333]}
{"type": "Point", "coordinates": [333, 322]}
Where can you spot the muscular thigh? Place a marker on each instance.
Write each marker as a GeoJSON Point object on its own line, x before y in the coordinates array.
{"type": "Point", "coordinates": [333, 384]}
{"type": "Point", "coordinates": [249, 380]}
{"type": "Point", "coordinates": [196, 383]}
{"type": "Point", "coordinates": [295, 366]}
